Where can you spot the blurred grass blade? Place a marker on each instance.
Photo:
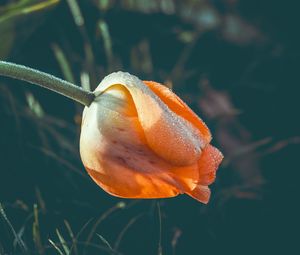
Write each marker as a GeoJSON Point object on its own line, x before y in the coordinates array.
{"type": "Point", "coordinates": [63, 63]}
{"type": "Point", "coordinates": [63, 242]}
{"type": "Point", "coordinates": [62, 160]}
{"type": "Point", "coordinates": [174, 242]}
{"type": "Point", "coordinates": [120, 205]}
{"type": "Point", "coordinates": [17, 238]}
{"type": "Point", "coordinates": [74, 244]}
{"type": "Point", "coordinates": [41, 201]}
{"type": "Point", "coordinates": [124, 230]}
{"type": "Point", "coordinates": [18, 20]}
{"type": "Point", "coordinates": [20, 233]}
{"type": "Point", "coordinates": [36, 231]}
{"type": "Point", "coordinates": [21, 9]}
{"type": "Point", "coordinates": [105, 241]}
{"type": "Point", "coordinates": [87, 47]}
{"type": "Point", "coordinates": [34, 105]}
{"type": "Point", "coordinates": [160, 229]}
{"type": "Point", "coordinates": [80, 232]}
{"type": "Point", "coordinates": [104, 32]}
{"type": "Point", "coordinates": [104, 5]}
{"type": "Point", "coordinates": [56, 247]}
{"type": "Point", "coordinates": [85, 81]}
{"type": "Point", "coordinates": [76, 13]}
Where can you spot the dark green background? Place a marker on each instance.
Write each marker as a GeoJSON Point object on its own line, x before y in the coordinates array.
{"type": "Point", "coordinates": [235, 62]}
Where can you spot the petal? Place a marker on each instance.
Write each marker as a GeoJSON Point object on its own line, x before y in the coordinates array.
{"type": "Point", "coordinates": [180, 108]}
{"type": "Point", "coordinates": [200, 193]}
{"type": "Point", "coordinates": [169, 135]}
{"type": "Point", "coordinates": [207, 166]}
{"type": "Point", "coordinates": [209, 161]}
{"type": "Point", "coordinates": [130, 184]}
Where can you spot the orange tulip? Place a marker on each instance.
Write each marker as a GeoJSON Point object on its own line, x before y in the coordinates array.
{"type": "Point", "coordinates": [139, 140]}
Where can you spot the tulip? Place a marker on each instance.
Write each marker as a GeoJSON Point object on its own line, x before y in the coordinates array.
{"type": "Point", "coordinates": [139, 140]}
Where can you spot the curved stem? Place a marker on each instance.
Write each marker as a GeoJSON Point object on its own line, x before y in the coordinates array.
{"type": "Point", "coordinates": [48, 81]}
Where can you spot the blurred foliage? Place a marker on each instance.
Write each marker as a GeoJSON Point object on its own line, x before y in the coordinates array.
{"type": "Point", "coordinates": [18, 20]}
{"type": "Point", "coordinates": [235, 62]}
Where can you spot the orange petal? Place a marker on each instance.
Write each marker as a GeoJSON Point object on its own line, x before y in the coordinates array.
{"type": "Point", "coordinates": [130, 184]}
{"type": "Point", "coordinates": [209, 161]}
{"type": "Point", "coordinates": [208, 164]}
{"type": "Point", "coordinates": [200, 193]}
{"type": "Point", "coordinates": [169, 135]}
{"type": "Point", "coordinates": [179, 107]}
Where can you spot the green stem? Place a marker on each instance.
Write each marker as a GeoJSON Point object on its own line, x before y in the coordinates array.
{"type": "Point", "coordinates": [48, 81]}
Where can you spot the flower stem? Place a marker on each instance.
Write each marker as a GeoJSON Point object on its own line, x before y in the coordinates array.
{"type": "Point", "coordinates": [48, 81]}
